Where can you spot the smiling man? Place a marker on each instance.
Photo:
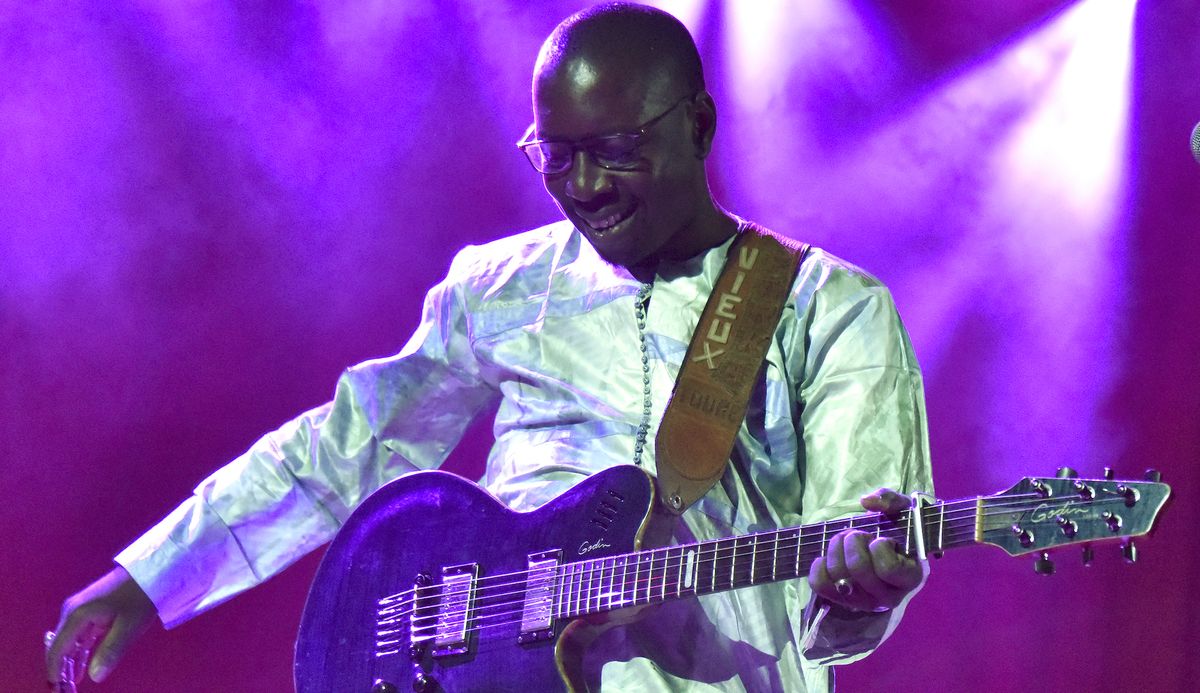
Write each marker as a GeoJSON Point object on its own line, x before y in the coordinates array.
{"type": "Point", "coordinates": [577, 331]}
{"type": "Point", "coordinates": [623, 126]}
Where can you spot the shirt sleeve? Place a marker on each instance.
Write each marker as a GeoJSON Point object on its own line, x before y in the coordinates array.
{"type": "Point", "coordinates": [292, 490]}
{"type": "Point", "coordinates": [864, 427]}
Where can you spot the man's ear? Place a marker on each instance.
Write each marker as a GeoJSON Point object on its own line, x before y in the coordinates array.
{"type": "Point", "coordinates": [704, 123]}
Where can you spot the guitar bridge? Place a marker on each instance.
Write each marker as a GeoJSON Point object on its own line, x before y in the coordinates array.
{"type": "Point", "coordinates": [537, 613]}
{"type": "Point", "coordinates": [454, 609]}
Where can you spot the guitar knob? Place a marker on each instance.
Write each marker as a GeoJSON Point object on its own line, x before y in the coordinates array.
{"type": "Point", "coordinates": [1066, 473]}
{"type": "Point", "coordinates": [1043, 565]}
{"type": "Point", "coordinates": [1129, 551]}
{"type": "Point", "coordinates": [382, 686]}
{"type": "Point", "coordinates": [1068, 527]}
{"type": "Point", "coordinates": [1153, 475]}
{"type": "Point", "coordinates": [1109, 474]}
{"type": "Point", "coordinates": [1088, 555]}
{"type": "Point", "coordinates": [423, 683]}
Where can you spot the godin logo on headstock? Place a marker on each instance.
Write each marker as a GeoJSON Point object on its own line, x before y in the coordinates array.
{"type": "Point", "coordinates": [1045, 511]}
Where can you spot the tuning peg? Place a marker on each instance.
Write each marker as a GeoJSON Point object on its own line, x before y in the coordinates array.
{"type": "Point", "coordinates": [1088, 554]}
{"type": "Point", "coordinates": [1129, 551]}
{"type": "Point", "coordinates": [1066, 473]}
{"type": "Point", "coordinates": [1042, 565]}
{"type": "Point", "coordinates": [1153, 475]}
{"type": "Point", "coordinates": [1109, 474]}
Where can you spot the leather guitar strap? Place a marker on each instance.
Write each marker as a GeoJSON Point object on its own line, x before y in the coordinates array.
{"type": "Point", "coordinates": [726, 354]}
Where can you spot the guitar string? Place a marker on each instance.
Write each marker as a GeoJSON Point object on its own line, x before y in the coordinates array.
{"type": "Point", "coordinates": [588, 598]}
{"type": "Point", "coordinates": [484, 616]}
{"type": "Point", "coordinates": [966, 507]}
{"type": "Point", "coordinates": [592, 576]}
{"type": "Point", "coordinates": [482, 622]}
{"type": "Point", "coordinates": [831, 527]}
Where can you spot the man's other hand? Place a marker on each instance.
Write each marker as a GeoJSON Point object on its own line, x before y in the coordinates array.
{"type": "Point", "coordinates": [97, 625]}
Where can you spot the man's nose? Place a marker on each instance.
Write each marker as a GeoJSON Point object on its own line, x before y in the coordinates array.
{"type": "Point", "coordinates": [586, 180]}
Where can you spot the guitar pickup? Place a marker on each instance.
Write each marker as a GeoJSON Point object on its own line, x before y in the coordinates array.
{"type": "Point", "coordinates": [537, 612]}
{"type": "Point", "coordinates": [455, 603]}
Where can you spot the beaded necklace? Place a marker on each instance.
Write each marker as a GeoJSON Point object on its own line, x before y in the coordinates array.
{"type": "Point", "coordinates": [640, 303]}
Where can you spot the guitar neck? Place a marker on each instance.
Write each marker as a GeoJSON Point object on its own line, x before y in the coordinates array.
{"type": "Point", "coordinates": [1034, 515]}
{"type": "Point", "coordinates": [656, 575]}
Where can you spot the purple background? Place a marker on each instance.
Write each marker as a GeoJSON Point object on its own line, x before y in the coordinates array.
{"type": "Point", "coordinates": [209, 209]}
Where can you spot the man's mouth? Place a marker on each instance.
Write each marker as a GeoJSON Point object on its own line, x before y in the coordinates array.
{"type": "Point", "coordinates": [606, 224]}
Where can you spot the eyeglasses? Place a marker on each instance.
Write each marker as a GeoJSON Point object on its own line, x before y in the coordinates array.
{"type": "Point", "coordinates": [617, 152]}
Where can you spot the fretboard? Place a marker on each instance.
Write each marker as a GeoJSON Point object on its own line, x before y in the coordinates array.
{"type": "Point", "coordinates": [656, 575]}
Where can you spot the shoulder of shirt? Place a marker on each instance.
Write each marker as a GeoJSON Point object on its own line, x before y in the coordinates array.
{"type": "Point", "coordinates": [821, 270]}
{"type": "Point", "coordinates": [487, 263]}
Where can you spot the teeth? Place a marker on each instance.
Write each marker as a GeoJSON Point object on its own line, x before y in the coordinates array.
{"type": "Point", "coordinates": [610, 221]}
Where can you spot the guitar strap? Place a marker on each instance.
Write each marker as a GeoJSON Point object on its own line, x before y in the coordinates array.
{"type": "Point", "coordinates": [712, 391]}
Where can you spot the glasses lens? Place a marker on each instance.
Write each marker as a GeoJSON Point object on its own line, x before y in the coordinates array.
{"type": "Point", "coordinates": [549, 157]}
{"type": "Point", "coordinates": [615, 151]}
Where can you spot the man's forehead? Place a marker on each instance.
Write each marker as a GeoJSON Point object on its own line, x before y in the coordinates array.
{"type": "Point", "coordinates": [582, 97]}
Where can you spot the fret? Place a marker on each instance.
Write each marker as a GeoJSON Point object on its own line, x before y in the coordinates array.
{"type": "Point", "coordinates": [654, 573]}
{"type": "Point", "coordinates": [737, 579]}
{"type": "Point", "coordinates": [666, 574]}
{"type": "Point", "coordinates": [591, 590]}
{"type": "Point", "coordinates": [613, 594]}
{"type": "Point", "coordinates": [604, 600]}
{"type": "Point", "coordinates": [645, 558]}
{"type": "Point", "coordinates": [679, 580]}
{"type": "Point", "coordinates": [774, 556]}
{"type": "Point", "coordinates": [941, 526]}
{"type": "Point", "coordinates": [627, 595]}
{"type": "Point", "coordinates": [654, 557]}
{"type": "Point", "coordinates": [618, 595]}
{"type": "Point", "coordinates": [573, 589]}
{"type": "Point", "coordinates": [702, 579]}
{"type": "Point", "coordinates": [625, 599]}
{"type": "Point", "coordinates": [601, 564]}
{"type": "Point", "coordinates": [790, 539]}
{"type": "Point", "coordinates": [565, 604]}
{"type": "Point", "coordinates": [558, 593]}
{"type": "Point", "coordinates": [712, 579]}
{"type": "Point", "coordinates": [913, 524]}
{"type": "Point", "coordinates": [637, 576]}
{"type": "Point", "coordinates": [753, 556]}
{"type": "Point", "coordinates": [799, 549]}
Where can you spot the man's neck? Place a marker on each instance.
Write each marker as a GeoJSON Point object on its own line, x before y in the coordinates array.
{"type": "Point", "coordinates": [707, 230]}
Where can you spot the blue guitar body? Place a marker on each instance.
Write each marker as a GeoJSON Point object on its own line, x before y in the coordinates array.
{"type": "Point", "coordinates": [432, 529]}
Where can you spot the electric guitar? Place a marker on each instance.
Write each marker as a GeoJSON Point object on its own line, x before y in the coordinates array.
{"type": "Point", "coordinates": [434, 585]}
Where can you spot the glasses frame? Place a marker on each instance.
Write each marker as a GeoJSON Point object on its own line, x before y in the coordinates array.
{"type": "Point", "coordinates": [587, 144]}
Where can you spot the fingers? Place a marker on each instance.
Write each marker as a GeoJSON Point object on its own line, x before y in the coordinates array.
{"type": "Point", "coordinates": [110, 650]}
{"type": "Point", "coordinates": [873, 576]}
{"type": "Point", "coordinates": [97, 625]}
{"type": "Point", "coordinates": [886, 501]}
{"type": "Point", "coordinates": [69, 652]}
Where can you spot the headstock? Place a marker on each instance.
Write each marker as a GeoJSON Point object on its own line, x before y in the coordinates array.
{"type": "Point", "coordinates": [1040, 513]}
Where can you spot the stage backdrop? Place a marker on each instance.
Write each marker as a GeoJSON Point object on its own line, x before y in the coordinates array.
{"type": "Point", "coordinates": [209, 209]}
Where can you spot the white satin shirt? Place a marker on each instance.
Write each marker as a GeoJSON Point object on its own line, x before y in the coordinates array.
{"type": "Point", "coordinates": [540, 323]}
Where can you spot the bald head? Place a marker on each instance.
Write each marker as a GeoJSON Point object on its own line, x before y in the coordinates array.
{"type": "Point", "coordinates": [644, 47]}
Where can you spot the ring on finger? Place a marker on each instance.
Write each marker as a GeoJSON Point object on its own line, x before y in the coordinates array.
{"type": "Point", "coordinates": [844, 587]}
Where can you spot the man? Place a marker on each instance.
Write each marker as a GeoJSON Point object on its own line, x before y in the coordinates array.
{"type": "Point", "coordinates": [578, 331]}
